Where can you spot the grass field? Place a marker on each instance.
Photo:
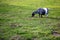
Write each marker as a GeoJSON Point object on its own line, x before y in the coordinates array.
{"type": "Point", "coordinates": [16, 21]}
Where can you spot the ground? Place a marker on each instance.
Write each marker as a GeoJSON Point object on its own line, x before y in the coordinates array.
{"type": "Point", "coordinates": [16, 21]}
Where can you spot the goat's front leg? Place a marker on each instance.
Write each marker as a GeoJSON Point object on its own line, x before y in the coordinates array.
{"type": "Point", "coordinates": [41, 16]}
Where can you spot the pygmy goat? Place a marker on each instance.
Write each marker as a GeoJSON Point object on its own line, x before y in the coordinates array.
{"type": "Point", "coordinates": [41, 11]}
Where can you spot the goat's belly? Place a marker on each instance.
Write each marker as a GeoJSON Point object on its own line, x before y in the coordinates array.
{"type": "Point", "coordinates": [43, 13]}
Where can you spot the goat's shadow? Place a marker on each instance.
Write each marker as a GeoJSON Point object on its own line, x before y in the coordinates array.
{"type": "Point", "coordinates": [55, 18]}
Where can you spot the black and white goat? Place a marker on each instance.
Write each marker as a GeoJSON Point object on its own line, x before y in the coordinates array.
{"type": "Point", "coordinates": [41, 11]}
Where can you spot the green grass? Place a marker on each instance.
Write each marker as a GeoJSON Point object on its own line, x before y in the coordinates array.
{"type": "Point", "coordinates": [15, 19]}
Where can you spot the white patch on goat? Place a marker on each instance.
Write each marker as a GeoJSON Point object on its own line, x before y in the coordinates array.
{"type": "Point", "coordinates": [45, 10]}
